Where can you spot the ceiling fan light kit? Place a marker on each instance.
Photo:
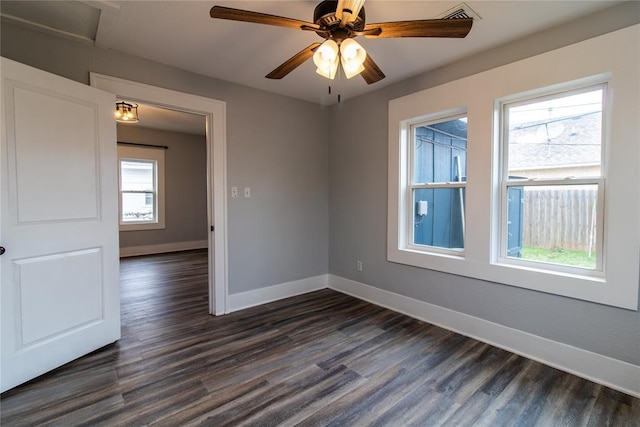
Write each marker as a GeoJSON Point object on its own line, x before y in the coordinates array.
{"type": "Point", "coordinates": [339, 22]}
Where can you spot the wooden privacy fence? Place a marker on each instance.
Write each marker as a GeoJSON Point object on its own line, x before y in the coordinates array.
{"type": "Point", "coordinates": [559, 218]}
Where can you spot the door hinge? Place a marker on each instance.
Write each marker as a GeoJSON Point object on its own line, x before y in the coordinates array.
{"type": "Point", "coordinates": [213, 228]}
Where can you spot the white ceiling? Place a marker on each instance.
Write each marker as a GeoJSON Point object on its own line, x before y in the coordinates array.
{"type": "Point", "coordinates": [162, 118]}
{"type": "Point", "coordinates": [181, 34]}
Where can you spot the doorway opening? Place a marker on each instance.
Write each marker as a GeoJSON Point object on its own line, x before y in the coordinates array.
{"type": "Point", "coordinates": [162, 206]}
{"type": "Point", "coordinates": [214, 114]}
{"type": "Point", "coordinates": [162, 171]}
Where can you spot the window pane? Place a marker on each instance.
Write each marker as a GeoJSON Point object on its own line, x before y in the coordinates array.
{"type": "Point", "coordinates": [137, 207]}
{"type": "Point", "coordinates": [440, 151]}
{"type": "Point", "coordinates": [553, 224]}
{"type": "Point", "coordinates": [556, 138]}
{"type": "Point", "coordinates": [137, 181]}
{"type": "Point", "coordinates": [137, 175]}
{"type": "Point", "coordinates": [438, 217]}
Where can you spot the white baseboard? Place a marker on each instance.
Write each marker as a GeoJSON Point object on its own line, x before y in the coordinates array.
{"type": "Point", "coordinates": [248, 299]}
{"type": "Point", "coordinates": [619, 375]}
{"type": "Point", "coordinates": [163, 248]}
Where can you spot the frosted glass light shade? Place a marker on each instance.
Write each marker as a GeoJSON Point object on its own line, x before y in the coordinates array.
{"type": "Point", "coordinates": [326, 59]}
{"type": "Point", "coordinates": [352, 56]}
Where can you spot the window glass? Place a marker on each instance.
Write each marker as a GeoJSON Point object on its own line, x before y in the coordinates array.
{"type": "Point", "coordinates": [439, 217]}
{"type": "Point", "coordinates": [439, 179]}
{"type": "Point", "coordinates": [440, 151]}
{"type": "Point", "coordinates": [137, 175]}
{"type": "Point", "coordinates": [554, 177]}
{"type": "Point", "coordinates": [553, 224]}
{"type": "Point", "coordinates": [138, 187]}
{"type": "Point", "coordinates": [556, 138]}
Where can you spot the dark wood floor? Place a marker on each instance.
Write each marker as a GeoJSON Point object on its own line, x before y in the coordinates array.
{"type": "Point", "coordinates": [319, 359]}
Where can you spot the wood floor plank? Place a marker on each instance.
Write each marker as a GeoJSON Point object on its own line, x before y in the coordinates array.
{"type": "Point", "coordinates": [571, 402]}
{"type": "Point", "coordinates": [319, 359]}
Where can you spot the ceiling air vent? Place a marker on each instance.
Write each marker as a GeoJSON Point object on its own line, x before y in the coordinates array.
{"type": "Point", "coordinates": [460, 11]}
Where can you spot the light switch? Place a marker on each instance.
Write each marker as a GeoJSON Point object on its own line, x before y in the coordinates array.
{"type": "Point", "coordinates": [247, 192]}
{"type": "Point", "coordinates": [234, 192]}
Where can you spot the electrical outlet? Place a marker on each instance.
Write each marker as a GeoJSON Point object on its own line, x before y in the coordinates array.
{"type": "Point", "coordinates": [359, 265]}
{"type": "Point", "coordinates": [247, 192]}
{"type": "Point", "coordinates": [234, 192]}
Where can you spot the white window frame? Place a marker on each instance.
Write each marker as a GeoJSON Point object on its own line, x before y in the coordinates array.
{"type": "Point", "coordinates": [590, 62]}
{"type": "Point", "coordinates": [156, 156]}
{"type": "Point", "coordinates": [409, 186]}
{"type": "Point", "coordinates": [502, 105]}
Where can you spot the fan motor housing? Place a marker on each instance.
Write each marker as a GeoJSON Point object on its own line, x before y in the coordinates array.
{"type": "Point", "coordinates": [325, 16]}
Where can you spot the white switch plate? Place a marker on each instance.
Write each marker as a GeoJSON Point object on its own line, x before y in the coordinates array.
{"type": "Point", "coordinates": [247, 192]}
{"type": "Point", "coordinates": [359, 265]}
{"type": "Point", "coordinates": [234, 192]}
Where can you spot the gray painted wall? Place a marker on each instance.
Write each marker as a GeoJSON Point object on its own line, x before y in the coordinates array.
{"type": "Point", "coordinates": [185, 186]}
{"type": "Point", "coordinates": [276, 145]}
{"type": "Point", "coordinates": [358, 212]}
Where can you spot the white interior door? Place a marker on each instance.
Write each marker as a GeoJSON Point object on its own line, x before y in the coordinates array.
{"type": "Point", "coordinates": [58, 222]}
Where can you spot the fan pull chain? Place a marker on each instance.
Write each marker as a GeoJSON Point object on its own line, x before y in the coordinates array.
{"type": "Point", "coordinates": [339, 84]}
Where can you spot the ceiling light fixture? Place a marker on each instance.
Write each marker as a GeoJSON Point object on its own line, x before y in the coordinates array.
{"type": "Point", "coordinates": [339, 21]}
{"type": "Point", "coordinates": [329, 55]}
{"type": "Point", "coordinates": [126, 112]}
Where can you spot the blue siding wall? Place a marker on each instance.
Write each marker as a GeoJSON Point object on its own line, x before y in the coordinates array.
{"type": "Point", "coordinates": [438, 149]}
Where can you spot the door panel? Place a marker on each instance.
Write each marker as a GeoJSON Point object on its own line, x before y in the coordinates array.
{"type": "Point", "coordinates": [48, 175]}
{"type": "Point", "coordinates": [58, 222]}
{"type": "Point", "coordinates": [44, 310]}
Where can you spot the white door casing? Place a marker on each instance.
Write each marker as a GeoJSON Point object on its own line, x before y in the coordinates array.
{"type": "Point", "coordinates": [215, 113]}
{"type": "Point", "coordinates": [58, 222]}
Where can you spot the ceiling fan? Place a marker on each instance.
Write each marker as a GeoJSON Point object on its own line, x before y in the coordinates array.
{"type": "Point", "coordinates": [339, 22]}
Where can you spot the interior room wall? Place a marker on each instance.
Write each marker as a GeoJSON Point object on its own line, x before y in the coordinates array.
{"type": "Point", "coordinates": [358, 142]}
{"type": "Point", "coordinates": [185, 187]}
{"type": "Point", "coordinates": [276, 145]}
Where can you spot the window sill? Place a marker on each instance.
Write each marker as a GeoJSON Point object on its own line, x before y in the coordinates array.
{"type": "Point", "coordinates": [142, 226]}
{"type": "Point", "coordinates": [585, 287]}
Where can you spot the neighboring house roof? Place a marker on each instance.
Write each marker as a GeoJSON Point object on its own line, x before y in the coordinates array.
{"type": "Point", "coordinates": [566, 141]}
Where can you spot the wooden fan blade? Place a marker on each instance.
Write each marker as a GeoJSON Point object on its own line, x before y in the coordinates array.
{"type": "Point", "coordinates": [221, 12]}
{"type": "Point", "coordinates": [372, 73]}
{"type": "Point", "coordinates": [294, 62]}
{"type": "Point", "coordinates": [453, 28]}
